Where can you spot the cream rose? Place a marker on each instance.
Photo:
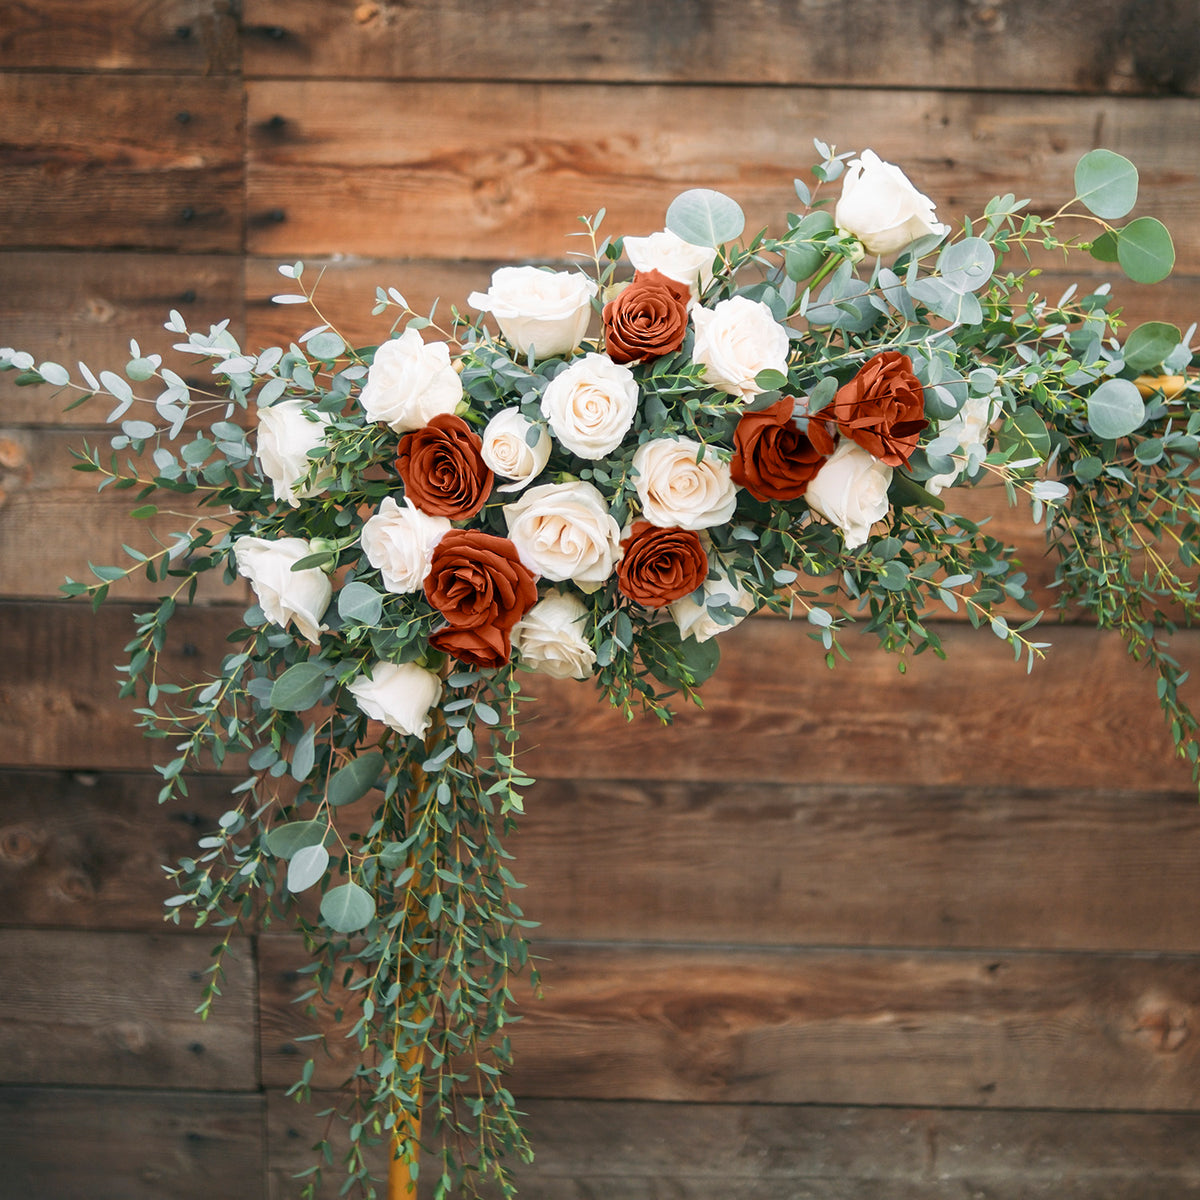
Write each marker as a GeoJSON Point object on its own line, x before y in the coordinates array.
{"type": "Point", "coordinates": [565, 531]}
{"type": "Point", "coordinates": [410, 382]}
{"type": "Point", "coordinates": [398, 694]}
{"type": "Point", "coordinates": [591, 405]}
{"type": "Point", "coordinates": [969, 427]}
{"type": "Point", "coordinates": [735, 341]}
{"type": "Point", "coordinates": [546, 310]}
{"type": "Point", "coordinates": [881, 208]}
{"type": "Point", "coordinates": [285, 436]}
{"type": "Point", "coordinates": [399, 544]}
{"type": "Point", "coordinates": [550, 637]}
{"type": "Point", "coordinates": [507, 451]}
{"type": "Point", "coordinates": [668, 253]}
{"type": "Point", "coordinates": [695, 621]}
{"type": "Point", "coordinates": [682, 484]}
{"type": "Point", "coordinates": [850, 491]}
{"type": "Point", "coordinates": [283, 594]}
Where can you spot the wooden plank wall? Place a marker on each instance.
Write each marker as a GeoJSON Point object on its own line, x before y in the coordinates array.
{"type": "Point", "coordinates": [850, 935]}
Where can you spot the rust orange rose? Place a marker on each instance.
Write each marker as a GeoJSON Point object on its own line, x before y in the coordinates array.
{"type": "Point", "coordinates": [649, 318]}
{"type": "Point", "coordinates": [443, 469]}
{"type": "Point", "coordinates": [660, 565]}
{"type": "Point", "coordinates": [882, 408]}
{"type": "Point", "coordinates": [479, 584]}
{"type": "Point", "coordinates": [772, 459]}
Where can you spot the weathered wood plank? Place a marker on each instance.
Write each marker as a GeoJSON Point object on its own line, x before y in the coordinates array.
{"type": "Point", "coordinates": [184, 36]}
{"type": "Point", "coordinates": [816, 42]}
{"type": "Point", "coordinates": [823, 1027]}
{"type": "Point", "coordinates": [859, 866]}
{"type": "Point", "coordinates": [346, 294]}
{"type": "Point", "coordinates": [53, 523]}
{"type": "Point", "coordinates": [881, 866]}
{"type": "Point", "coordinates": [504, 170]}
{"type": "Point", "coordinates": [65, 306]}
{"type": "Point", "coordinates": [1085, 718]}
{"type": "Point", "coordinates": [121, 161]}
{"type": "Point", "coordinates": [129, 1145]}
{"type": "Point", "coordinates": [116, 1009]}
{"type": "Point", "coordinates": [86, 850]}
{"type": "Point", "coordinates": [643, 1151]}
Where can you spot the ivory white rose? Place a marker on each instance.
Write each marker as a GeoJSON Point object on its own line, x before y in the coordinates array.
{"type": "Point", "coordinates": [410, 382]}
{"type": "Point", "coordinates": [507, 451]}
{"type": "Point", "coordinates": [546, 310]}
{"type": "Point", "coordinates": [683, 484]}
{"type": "Point", "coordinates": [736, 340]}
{"type": "Point", "coordinates": [398, 694]}
{"type": "Point", "coordinates": [881, 208]}
{"type": "Point", "coordinates": [695, 621]}
{"type": "Point", "coordinates": [669, 254]}
{"type": "Point", "coordinates": [283, 594]}
{"type": "Point", "coordinates": [591, 405]}
{"type": "Point", "coordinates": [399, 543]}
{"type": "Point", "coordinates": [850, 491]}
{"type": "Point", "coordinates": [969, 427]}
{"type": "Point", "coordinates": [565, 531]}
{"type": "Point", "coordinates": [549, 638]}
{"type": "Point", "coordinates": [284, 437]}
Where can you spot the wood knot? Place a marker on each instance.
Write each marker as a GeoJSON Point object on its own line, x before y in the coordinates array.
{"type": "Point", "coordinates": [18, 845]}
{"type": "Point", "coordinates": [131, 1036]}
{"type": "Point", "coordinates": [75, 886]}
{"type": "Point", "coordinates": [1165, 1028]}
{"type": "Point", "coordinates": [364, 14]}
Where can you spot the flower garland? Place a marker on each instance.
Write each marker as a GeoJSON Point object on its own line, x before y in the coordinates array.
{"type": "Point", "coordinates": [631, 465]}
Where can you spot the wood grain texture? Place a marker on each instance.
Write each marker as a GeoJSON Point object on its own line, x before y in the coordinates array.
{"type": "Point", "coordinates": [642, 1151]}
{"type": "Point", "coordinates": [1112, 46]}
{"type": "Point", "coordinates": [85, 851]}
{"type": "Point", "coordinates": [92, 161]}
{"type": "Point", "coordinates": [822, 1027]}
{"type": "Point", "coordinates": [116, 1009]}
{"type": "Point", "coordinates": [53, 522]}
{"type": "Point", "coordinates": [66, 305]}
{"type": "Point", "coordinates": [346, 294]}
{"type": "Point", "coordinates": [504, 170]}
{"type": "Point", "coordinates": [887, 866]}
{"type": "Point", "coordinates": [185, 36]}
{"type": "Point", "coordinates": [1085, 718]}
{"type": "Point", "coordinates": [102, 1144]}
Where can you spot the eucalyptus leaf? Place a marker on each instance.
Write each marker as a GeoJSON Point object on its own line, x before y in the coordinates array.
{"type": "Point", "coordinates": [1145, 250]}
{"type": "Point", "coordinates": [1106, 184]}
{"type": "Point", "coordinates": [306, 867]}
{"type": "Point", "coordinates": [299, 687]}
{"type": "Point", "coordinates": [705, 218]}
{"type": "Point", "coordinates": [284, 840]}
{"type": "Point", "coordinates": [355, 779]}
{"type": "Point", "coordinates": [1149, 344]}
{"type": "Point", "coordinates": [967, 266]}
{"type": "Point", "coordinates": [348, 908]}
{"type": "Point", "coordinates": [1115, 409]}
{"type": "Point", "coordinates": [361, 603]}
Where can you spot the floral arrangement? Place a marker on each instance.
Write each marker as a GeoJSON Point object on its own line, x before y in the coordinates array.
{"type": "Point", "coordinates": [593, 473]}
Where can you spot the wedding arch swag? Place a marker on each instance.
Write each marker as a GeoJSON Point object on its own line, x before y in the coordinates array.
{"type": "Point", "coordinates": [593, 473]}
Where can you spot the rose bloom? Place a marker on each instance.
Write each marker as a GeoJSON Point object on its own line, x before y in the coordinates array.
{"type": "Point", "coordinates": [507, 451]}
{"type": "Point", "coordinates": [565, 531]}
{"type": "Point", "coordinates": [676, 490]}
{"type": "Point", "coordinates": [399, 543]}
{"type": "Point", "coordinates": [772, 459]}
{"type": "Point", "coordinates": [547, 311]}
{"type": "Point", "coordinates": [660, 565]}
{"type": "Point", "coordinates": [669, 254]}
{"type": "Point", "coordinates": [882, 408]}
{"type": "Point", "coordinates": [284, 595]}
{"type": "Point", "coordinates": [285, 436]}
{"type": "Point", "coordinates": [409, 383]}
{"type": "Point", "coordinates": [850, 491]}
{"type": "Point", "coordinates": [695, 621]}
{"type": "Point", "coordinates": [550, 640]}
{"type": "Point", "coordinates": [647, 319]}
{"type": "Point", "coordinates": [735, 341]}
{"type": "Point", "coordinates": [881, 208]}
{"type": "Point", "coordinates": [970, 427]}
{"type": "Point", "coordinates": [591, 405]}
{"type": "Point", "coordinates": [443, 469]}
{"type": "Point", "coordinates": [400, 695]}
